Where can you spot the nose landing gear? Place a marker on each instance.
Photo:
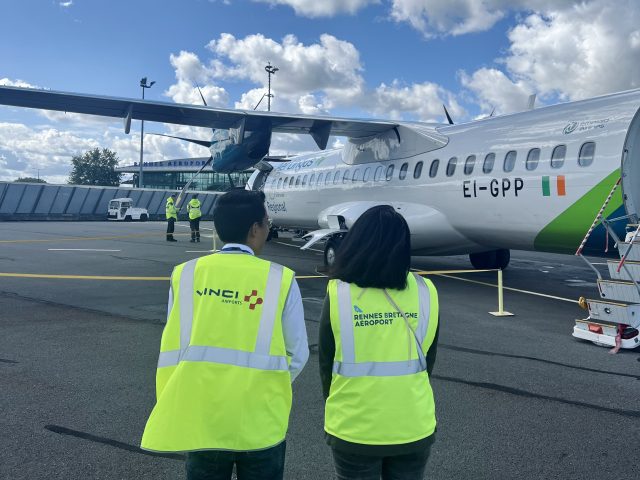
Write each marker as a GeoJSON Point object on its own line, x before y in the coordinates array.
{"type": "Point", "coordinates": [493, 259]}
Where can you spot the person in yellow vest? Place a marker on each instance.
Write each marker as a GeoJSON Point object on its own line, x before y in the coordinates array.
{"type": "Point", "coordinates": [193, 207]}
{"type": "Point", "coordinates": [234, 341]}
{"type": "Point", "coordinates": [172, 215]}
{"type": "Point", "coordinates": [377, 348]}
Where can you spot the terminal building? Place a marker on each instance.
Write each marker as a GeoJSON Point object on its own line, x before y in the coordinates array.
{"type": "Point", "coordinates": [175, 174]}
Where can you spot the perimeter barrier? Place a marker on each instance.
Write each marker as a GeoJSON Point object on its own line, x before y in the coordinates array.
{"type": "Point", "coordinates": [47, 202]}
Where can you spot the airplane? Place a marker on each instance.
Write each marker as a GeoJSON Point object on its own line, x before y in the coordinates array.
{"type": "Point", "coordinates": [532, 180]}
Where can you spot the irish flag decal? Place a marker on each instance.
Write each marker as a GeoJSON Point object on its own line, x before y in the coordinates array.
{"type": "Point", "coordinates": [561, 189]}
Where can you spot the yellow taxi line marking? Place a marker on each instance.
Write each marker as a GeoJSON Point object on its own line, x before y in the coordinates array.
{"type": "Point", "coordinates": [82, 277]}
{"type": "Point", "coordinates": [553, 297]}
{"type": "Point", "coordinates": [108, 277]}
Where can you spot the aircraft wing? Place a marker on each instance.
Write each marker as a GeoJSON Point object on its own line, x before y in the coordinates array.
{"type": "Point", "coordinates": [319, 127]}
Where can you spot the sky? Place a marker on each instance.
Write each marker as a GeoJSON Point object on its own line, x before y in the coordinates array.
{"type": "Point", "coordinates": [387, 59]}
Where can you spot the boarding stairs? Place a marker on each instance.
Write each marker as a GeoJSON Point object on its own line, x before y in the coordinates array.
{"type": "Point", "coordinates": [614, 318]}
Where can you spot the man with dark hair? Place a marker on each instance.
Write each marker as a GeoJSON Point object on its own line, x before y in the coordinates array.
{"type": "Point", "coordinates": [234, 341]}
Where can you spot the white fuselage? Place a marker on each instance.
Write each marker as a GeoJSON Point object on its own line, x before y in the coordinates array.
{"type": "Point", "coordinates": [469, 211]}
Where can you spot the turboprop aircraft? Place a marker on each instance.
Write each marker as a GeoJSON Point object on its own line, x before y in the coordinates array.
{"type": "Point", "coordinates": [533, 180]}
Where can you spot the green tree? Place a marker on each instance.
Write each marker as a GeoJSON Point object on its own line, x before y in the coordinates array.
{"type": "Point", "coordinates": [95, 167]}
{"type": "Point", "coordinates": [30, 180]}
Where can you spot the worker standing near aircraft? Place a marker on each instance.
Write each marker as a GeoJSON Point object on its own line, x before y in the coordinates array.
{"type": "Point", "coordinates": [193, 207]}
{"type": "Point", "coordinates": [377, 348]}
{"type": "Point", "coordinates": [172, 215]}
{"type": "Point", "coordinates": [234, 341]}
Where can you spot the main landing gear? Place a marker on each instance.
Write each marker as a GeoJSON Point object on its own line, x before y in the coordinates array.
{"type": "Point", "coordinates": [491, 260]}
{"type": "Point", "coordinates": [330, 249]}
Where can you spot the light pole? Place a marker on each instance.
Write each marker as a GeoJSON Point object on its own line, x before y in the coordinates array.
{"type": "Point", "coordinates": [271, 71]}
{"type": "Point", "coordinates": [143, 84]}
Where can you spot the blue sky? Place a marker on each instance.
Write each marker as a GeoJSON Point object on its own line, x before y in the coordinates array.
{"type": "Point", "coordinates": [365, 58]}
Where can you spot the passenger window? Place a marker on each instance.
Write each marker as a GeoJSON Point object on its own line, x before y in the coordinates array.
{"type": "Point", "coordinates": [469, 164]}
{"type": "Point", "coordinates": [403, 171]}
{"type": "Point", "coordinates": [320, 178]}
{"type": "Point", "coordinates": [510, 161]}
{"type": "Point", "coordinates": [304, 181]}
{"type": "Point", "coordinates": [356, 172]}
{"type": "Point", "coordinates": [557, 156]}
{"type": "Point", "coordinates": [587, 152]}
{"type": "Point", "coordinates": [418, 170]}
{"type": "Point", "coordinates": [433, 169]}
{"type": "Point", "coordinates": [378, 174]}
{"type": "Point", "coordinates": [345, 177]}
{"type": "Point", "coordinates": [451, 166]}
{"type": "Point", "coordinates": [297, 181]}
{"type": "Point", "coordinates": [533, 157]}
{"type": "Point", "coordinates": [367, 173]}
{"type": "Point", "coordinates": [489, 160]}
{"type": "Point", "coordinates": [279, 183]}
{"type": "Point", "coordinates": [336, 177]}
{"type": "Point", "coordinates": [312, 179]}
{"type": "Point", "coordinates": [389, 172]}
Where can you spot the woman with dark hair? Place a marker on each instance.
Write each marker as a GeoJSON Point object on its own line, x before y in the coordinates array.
{"type": "Point", "coordinates": [377, 347]}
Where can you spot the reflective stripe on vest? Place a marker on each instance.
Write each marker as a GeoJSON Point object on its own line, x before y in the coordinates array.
{"type": "Point", "coordinates": [349, 368]}
{"type": "Point", "coordinates": [259, 358]}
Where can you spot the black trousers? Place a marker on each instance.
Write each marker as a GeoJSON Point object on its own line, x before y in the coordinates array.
{"type": "Point", "coordinates": [255, 465]}
{"type": "Point", "coordinates": [350, 466]}
{"type": "Point", "coordinates": [195, 228]}
{"type": "Point", "coordinates": [170, 227]}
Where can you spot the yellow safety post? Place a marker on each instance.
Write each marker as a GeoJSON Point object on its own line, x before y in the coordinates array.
{"type": "Point", "coordinates": [501, 312]}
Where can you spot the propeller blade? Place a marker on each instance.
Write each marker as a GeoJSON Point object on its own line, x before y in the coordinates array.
{"type": "Point", "coordinates": [201, 96]}
{"type": "Point", "coordinates": [446, 112]}
{"type": "Point", "coordinates": [186, 187]}
{"type": "Point", "coordinates": [204, 143]}
{"type": "Point", "coordinates": [492, 112]}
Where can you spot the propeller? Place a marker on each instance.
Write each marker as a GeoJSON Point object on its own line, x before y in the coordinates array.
{"type": "Point", "coordinates": [186, 187]}
{"type": "Point", "coordinates": [446, 112]}
{"type": "Point", "coordinates": [201, 96]}
{"type": "Point", "coordinates": [204, 143]}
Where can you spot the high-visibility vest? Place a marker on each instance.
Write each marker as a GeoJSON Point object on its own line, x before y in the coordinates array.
{"type": "Point", "coordinates": [380, 392]}
{"type": "Point", "coordinates": [194, 209]}
{"type": "Point", "coordinates": [223, 377]}
{"type": "Point", "coordinates": [170, 210]}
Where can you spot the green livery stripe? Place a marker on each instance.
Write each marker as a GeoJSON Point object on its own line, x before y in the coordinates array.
{"type": "Point", "coordinates": [546, 191]}
{"type": "Point", "coordinates": [566, 231]}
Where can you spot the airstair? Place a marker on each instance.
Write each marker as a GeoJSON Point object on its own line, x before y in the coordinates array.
{"type": "Point", "coordinates": [614, 318]}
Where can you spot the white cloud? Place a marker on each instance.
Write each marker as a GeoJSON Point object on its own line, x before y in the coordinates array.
{"type": "Point", "coordinates": [322, 8]}
{"type": "Point", "coordinates": [331, 67]}
{"type": "Point", "coordinates": [494, 90]}
{"type": "Point", "coordinates": [66, 4]}
{"type": "Point", "coordinates": [589, 49]}
{"type": "Point", "coordinates": [420, 100]}
{"type": "Point", "coordinates": [459, 17]}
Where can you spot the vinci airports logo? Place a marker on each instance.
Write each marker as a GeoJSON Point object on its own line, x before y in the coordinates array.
{"type": "Point", "coordinates": [232, 296]}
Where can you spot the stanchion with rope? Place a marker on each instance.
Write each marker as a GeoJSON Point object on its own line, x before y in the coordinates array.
{"type": "Point", "coordinates": [501, 312]}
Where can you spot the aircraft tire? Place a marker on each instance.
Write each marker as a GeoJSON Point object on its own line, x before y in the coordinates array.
{"type": "Point", "coordinates": [491, 260]}
{"type": "Point", "coordinates": [330, 250]}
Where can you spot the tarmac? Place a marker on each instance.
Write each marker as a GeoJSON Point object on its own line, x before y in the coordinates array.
{"type": "Point", "coordinates": [82, 307]}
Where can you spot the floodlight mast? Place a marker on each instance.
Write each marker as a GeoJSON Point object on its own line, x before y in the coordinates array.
{"type": "Point", "coordinates": [271, 71]}
{"type": "Point", "coordinates": [143, 84]}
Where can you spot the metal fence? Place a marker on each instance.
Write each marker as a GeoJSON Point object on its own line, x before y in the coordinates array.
{"type": "Point", "coordinates": [34, 201]}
